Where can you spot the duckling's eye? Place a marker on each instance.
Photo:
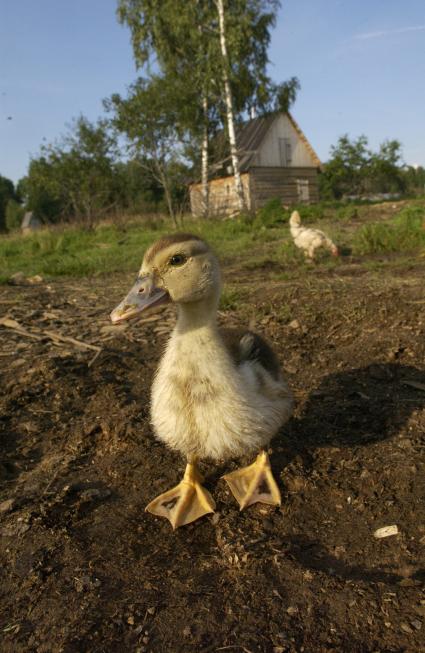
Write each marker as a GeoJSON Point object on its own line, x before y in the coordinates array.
{"type": "Point", "coordinates": [178, 259]}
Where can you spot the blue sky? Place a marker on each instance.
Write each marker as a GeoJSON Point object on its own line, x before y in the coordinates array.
{"type": "Point", "coordinates": [361, 64]}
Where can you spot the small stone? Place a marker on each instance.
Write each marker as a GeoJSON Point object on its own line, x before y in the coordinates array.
{"type": "Point", "coordinates": [416, 624]}
{"type": "Point", "coordinates": [17, 279]}
{"type": "Point", "coordinates": [36, 279]}
{"type": "Point", "coordinates": [130, 620]}
{"type": "Point", "coordinates": [151, 610]}
{"type": "Point", "coordinates": [406, 628]}
{"type": "Point", "coordinates": [187, 631]}
{"type": "Point", "coordinates": [7, 506]}
{"type": "Point", "coordinates": [294, 324]}
{"type": "Point", "coordinates": [385, 531]}
{"type": "Point", "coordinates": [292, 610]}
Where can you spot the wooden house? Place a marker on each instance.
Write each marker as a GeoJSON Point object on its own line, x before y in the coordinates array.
{"type": "Point", "coordinates": [276, 161]}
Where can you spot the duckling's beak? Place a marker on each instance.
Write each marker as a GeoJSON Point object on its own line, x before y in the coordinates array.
{"type": "Point", "coordinates": [143, 295]}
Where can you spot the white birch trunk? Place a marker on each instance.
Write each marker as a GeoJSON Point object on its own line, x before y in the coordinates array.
{"type": "Point", "coordinates": [229, 109]}
{"type": "Point", "coordinates": [204, 162]}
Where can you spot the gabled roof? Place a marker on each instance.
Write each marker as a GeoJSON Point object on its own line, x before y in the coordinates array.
{"type": "Point", "coordinates": [303, 138]}
{"type": "Point", "coordinates": [249, 136]}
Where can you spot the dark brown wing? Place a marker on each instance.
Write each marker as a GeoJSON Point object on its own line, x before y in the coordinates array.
{"type": "Point", "coordinates": [244, 345]}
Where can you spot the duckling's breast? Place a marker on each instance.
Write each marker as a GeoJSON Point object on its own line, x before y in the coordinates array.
{"type": "Point", "coordinates": [205, 405]}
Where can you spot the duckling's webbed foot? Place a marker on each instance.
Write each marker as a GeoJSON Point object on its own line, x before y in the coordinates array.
{"type": "Point", "coordinates": [254, 483]}
{"type": "Point", "coordinates": [184, 503]}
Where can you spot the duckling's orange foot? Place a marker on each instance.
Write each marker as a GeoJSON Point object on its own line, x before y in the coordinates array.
{"type": "Point", "coordinates": [184, 503]}
{"type": "Point", "coordinates": [254, 483]}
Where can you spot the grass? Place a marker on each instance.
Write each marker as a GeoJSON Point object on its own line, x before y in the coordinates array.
{"type": "Point", "coordinates": [230, 298]}
{"type": "Point", "coordinates": [406, 232]}
{"type": "Point", "coordinates": [74, 251]}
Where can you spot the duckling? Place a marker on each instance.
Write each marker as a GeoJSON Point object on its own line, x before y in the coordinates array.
{"type": "Point", "coordinates": [309, 239]}
{"type": "Point", "coordinates": [217, 394]}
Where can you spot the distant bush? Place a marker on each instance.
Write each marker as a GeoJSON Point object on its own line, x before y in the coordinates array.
{"type": "Point", "coordinates": [14, 215]}
{"type": "Point", "coordinates": [404, 233]}
{"type": "Point", "coordinates": [310, 212]}
{"type": "Point", "coordinates": [346, 213]}
{"type": "Point", "coordinates": [272, 213]}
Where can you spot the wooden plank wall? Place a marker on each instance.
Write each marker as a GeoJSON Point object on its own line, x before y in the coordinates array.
{"type": "Point", "coordinates": [269, 182]}
{"type": "Point", "coordinates": [223, 198]}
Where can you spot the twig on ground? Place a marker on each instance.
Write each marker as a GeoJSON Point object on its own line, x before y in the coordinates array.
{"type": "Point", "coordinates": [13, 324]}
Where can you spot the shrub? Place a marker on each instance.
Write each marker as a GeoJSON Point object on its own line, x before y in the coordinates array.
{"type": "Point", "coordinates": [14, 215]}
{"type": "Point", "coordinates": [347, 213]}
{"type": "Point", "coordinates": [272, 213]}
{"type": "Point", "coordinates": [404, 233]}
{"type": "Point", "coordinates": [309, 212]}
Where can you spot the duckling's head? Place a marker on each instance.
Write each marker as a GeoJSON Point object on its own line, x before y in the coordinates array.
{"type": "Point", "coordinates": [180, 268]}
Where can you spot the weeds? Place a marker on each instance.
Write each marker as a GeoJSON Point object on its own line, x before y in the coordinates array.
{"type": "Point", "coordinates": [73, 251]}
{"type": "Point", "coordinates": [404, 233]}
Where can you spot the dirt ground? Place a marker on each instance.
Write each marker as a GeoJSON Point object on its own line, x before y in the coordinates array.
{"type": "Point", "coordinates": [85, 569]}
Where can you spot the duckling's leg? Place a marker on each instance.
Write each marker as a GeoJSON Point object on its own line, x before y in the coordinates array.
{"type": "Point", "coordinates": [254, 483]}
{"type": "Point", "coordinates": [186, 502]}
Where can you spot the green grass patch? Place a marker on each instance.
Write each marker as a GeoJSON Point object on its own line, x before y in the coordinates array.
{"type": "Point", "coordinates": [403, 233]}
{"type": "Point", "coordinates": [72, 251]}
{"type": "Point", "coordinates": [75, 251]}
{"type": "Point", "coordinates": [230, 298]}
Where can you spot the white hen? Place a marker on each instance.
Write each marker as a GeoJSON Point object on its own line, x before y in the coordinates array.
{"type": "Point", "coordinates": [309, 239]}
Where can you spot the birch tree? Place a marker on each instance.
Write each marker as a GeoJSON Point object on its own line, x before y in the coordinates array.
{"type": "Point", "coordinates": [228, 98]}
{"type": "Point", "coordinates": [172, 34]}
{"type": "Point", "coordinates": [220, 46]}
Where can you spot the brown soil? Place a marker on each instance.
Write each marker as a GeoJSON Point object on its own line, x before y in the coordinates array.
{"type": "Point", "coordinates": [85, 569]}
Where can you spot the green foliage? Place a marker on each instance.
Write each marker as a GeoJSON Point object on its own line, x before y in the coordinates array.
{"type": "Point", "coordinates": [41, 192]}
{"type": "Point", "coordinates": [309, 212]}
{"type": "Point", "coordinates": [149, 119]}
{"type": "Point", "coordinates": [135, 191]}
{"type": "Point", "coordinates": [81, 178]}
{"type": "Point", "coordinates": [7, 192]}
{"type": "Point", "coordinates": [109, 248]}
{"type": "Point", "coordinates": [272, 213]}
{"type": "Point", "coordinates": [14, 215]}
{"type": "Point", "coordinates": [112, 248]}
{"type": "Point", "coordinates": [285, 94]}
{"type": "Point", "coordinates": [73, 178]}
{"type": "Point", "coordinates": [415, 180]}
{"type": "Point", "coordinates": [404, 233]}
{"type": "Point", "coordinates": [354, 169]}
{"type": "Point", "coordinates": [230, 298]}
{"type": "Point", "coordinates": [184, 40]}
{"type": "Point", "coordinates": [347, 213]}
